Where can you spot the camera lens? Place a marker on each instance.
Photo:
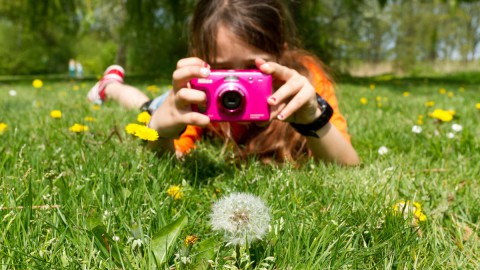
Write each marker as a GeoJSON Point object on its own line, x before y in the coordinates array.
{"type": "Point", "coordinates": [231, 100]}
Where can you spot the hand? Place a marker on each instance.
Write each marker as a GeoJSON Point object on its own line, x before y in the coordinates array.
{"type": "Point", "coordinates": [176, 112]}
{"type": "Point", "coordinates": [295, 100]}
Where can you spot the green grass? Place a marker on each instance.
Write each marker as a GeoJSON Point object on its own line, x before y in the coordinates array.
{"type": "Point", "coordinates": [323, 216]}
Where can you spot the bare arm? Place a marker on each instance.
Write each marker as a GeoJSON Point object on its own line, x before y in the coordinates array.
{"type": "Point", "coordinates": [295, 101]}
{"type": "Point", "coordinates": [331, 146]}
{"type": "Point", "coordinates": [171, 118]}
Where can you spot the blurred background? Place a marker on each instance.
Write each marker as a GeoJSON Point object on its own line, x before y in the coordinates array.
{"type": "Point", "coordinates": [355, 37]}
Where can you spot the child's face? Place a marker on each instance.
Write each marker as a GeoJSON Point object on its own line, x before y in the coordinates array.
{"type": "Point", "coordinates": [234, 53]}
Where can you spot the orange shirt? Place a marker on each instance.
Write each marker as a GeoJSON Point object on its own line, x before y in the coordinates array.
{"type": "Point", "coordinates": [322, 85]}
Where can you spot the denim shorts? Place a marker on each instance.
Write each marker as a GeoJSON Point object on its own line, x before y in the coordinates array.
{"type": "Point", "coordinates": [152, 105]}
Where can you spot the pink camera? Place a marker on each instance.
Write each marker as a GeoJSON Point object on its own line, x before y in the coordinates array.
{"type": "Point", "coordinates": [235, 95]}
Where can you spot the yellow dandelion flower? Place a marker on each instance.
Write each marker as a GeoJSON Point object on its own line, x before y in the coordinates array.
{"type": "Point", "coordinates": [417, 205]}
{"type": "Point", "coordinates": [78, 128]}
{"type": "Point", "coordinates": [132, 128]}
{"type": "Point", "coordinates": [378, 98]}
{"type": "Point", "coordinates": [420, 119]}
{"type": "Point", "coordinates": [56, 114]}
{"type": "Point", "coordinates": [477, 106]}
{"type": "Point", "coordinates": [3, 128]}
{"type": "Point", "coordinates": [146, 133]}
{"type": "Point", "coordinates": [190, 240]}
{"type": "Point", "coordinates": [407, 208]}
{"type": "Point", "coordinates": [406, 94]}
{"type": "Point", "coordinates": [89, 119]}
{"type": "Point", "coordinates": [372, 86]}
{"type": "Point", "coordinates": [175, 192]}
{"type": "Point", "coordinates": [429, 103]}
{"type": "Point", "coordinates": [37, 83]}
{"type": "Point", "coordinates": [442, 115]}
{"type": "Point", "coordinates": [442, 91]}
{"type": "Point", "coordinates": [452, 112]}
{"type": "Point", "coordinates": [75, 88]}
{"type": "Point", "coordinates": [144, 117]}
{"type": "Point", "coordinates": [420, 216]}
{"type": "Point", "coordinates": [363, 101]}
{"type": "Point", "coordinates": [379, 104]}
{"type": "Point", "coordinates": [450, 94]}
{"type": "Point", "coordinates": [153, 88]}
{"type": "Point", "coordinates": [95, 107]}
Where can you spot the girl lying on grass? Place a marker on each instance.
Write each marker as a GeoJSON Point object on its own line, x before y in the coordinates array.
{"type": "Point", "coordinates": [305, 119]}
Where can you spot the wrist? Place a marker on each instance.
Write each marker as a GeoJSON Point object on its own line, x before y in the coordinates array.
{"type": "Point", "coordinates": [322, 118]}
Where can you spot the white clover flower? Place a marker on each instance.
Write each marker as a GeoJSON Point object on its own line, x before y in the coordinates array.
{"type": "Point", "coordinates": [116, 238]}
{"type": "Point", "coordinates": [417, 129]}
{"type": "Point", "coordinates": [137, 243]}
{"type": "Point", "coordinates": [12, 93]}
{"type": "Point", "coordinates": [450, 135]}
{"type": "Point", "coordinates": [242, 217]}
{"type": "Point", "coordinates": [457, 127]}
{"type": "Point", "coordinates": [383, 150]}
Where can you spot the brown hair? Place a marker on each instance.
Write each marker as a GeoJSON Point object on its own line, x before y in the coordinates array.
{"type": "Point", "coordinates": [264, 24]}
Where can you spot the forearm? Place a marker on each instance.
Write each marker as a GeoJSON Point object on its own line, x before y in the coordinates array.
{"type": "Point", "coordinates": [331, 146]}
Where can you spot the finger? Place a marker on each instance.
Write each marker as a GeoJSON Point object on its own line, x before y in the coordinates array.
{"type": "Point", "coordinates": [186, 96]}
{"type": "Point", "coordinates": [183, 75]}
{"type": "Point", "coordinates": [191, 61]}
{"type": "Point", "coordinates": [275, 110]}
{"type": "Point", "coordinates": [277, 71]}
{"type": "Point", "coordinates": [288, 90]}
{"type": "Point", "coordinates": [299, 100]}
{"type": "Point", "coordinates": [195, 118]}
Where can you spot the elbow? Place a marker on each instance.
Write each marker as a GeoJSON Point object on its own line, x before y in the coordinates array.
{"type": "Point", "coordinates": [351, 160]}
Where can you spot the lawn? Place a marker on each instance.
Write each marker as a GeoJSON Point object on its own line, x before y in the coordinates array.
{"type": "Point", "coordinates": [98, 199]}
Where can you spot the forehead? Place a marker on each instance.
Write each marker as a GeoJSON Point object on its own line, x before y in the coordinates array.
{"type": "Point", "coordinates": [233, 50]}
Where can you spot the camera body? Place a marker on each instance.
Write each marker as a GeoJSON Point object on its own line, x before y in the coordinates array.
{"type": "Point", "coordinates": [235, 95]}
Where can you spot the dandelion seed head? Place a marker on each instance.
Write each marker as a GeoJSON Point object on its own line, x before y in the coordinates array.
{"type": "Point", "coordinates": [417, 129]}
{"type": "Point", "coordinates": [457, 127]}
{"type": "Point", "coordinates": [242, 217]}
{"type": "Point", "coordinates": [382, 150]}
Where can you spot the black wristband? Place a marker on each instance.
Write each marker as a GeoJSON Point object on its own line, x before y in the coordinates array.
{"type": "Point", "coordinates": [312, 128]}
